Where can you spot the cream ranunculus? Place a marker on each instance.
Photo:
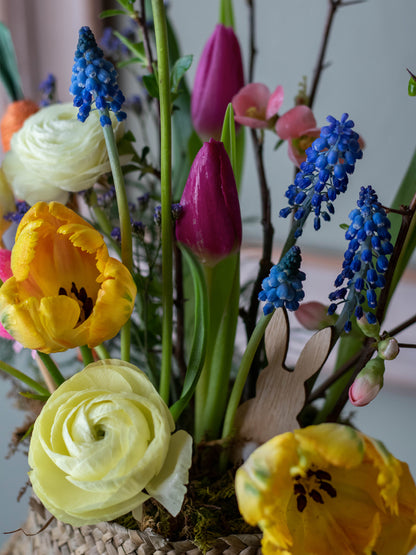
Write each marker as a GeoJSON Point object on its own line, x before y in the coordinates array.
{"type": "Point", "coordinates": [54, 154]}
{"type": "Point", "coordinates": [103, 444]}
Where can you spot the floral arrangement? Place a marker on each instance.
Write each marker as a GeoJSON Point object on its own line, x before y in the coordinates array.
{"type": "Point", "coordinates": [129, 262]}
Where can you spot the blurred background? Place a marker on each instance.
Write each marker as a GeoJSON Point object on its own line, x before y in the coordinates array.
{"type": "Point", "coordinates": [370, 46]}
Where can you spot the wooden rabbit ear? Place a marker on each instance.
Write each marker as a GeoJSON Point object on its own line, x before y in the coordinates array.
{"type": "Point", "coordinates": [280, 394]}
{"type": "Point", "coordinates": [276, 338]}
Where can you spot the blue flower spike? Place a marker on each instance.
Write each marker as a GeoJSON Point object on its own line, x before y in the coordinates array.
{"type": "Point", "coordinates": [94, 79]}
{"type": "Point", "coordinates": [324, 174]}
{"type": "Point", "coordinates": [283, 287]}
{"type": "Point", "coordinates": [365, 260]}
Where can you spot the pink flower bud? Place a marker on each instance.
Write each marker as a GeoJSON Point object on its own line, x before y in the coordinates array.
{"type": "Point", "coordinates": [298, 128]}
{"type": "Point", "coordinates": [219, 76]}
{"type": "Point", "coordinates": [368, 383]}
{"type": "Point", "coordinates": [211, 221]}
{"type": "Point", "coordinates": [255, 107]}
{"type": "Point", "coordinates": [314, 316]}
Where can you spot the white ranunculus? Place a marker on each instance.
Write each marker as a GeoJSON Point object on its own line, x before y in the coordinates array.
{"type": "Point", "coordinates": [103, 444]}
{"type": "Point", "coordinates": [54, 154]}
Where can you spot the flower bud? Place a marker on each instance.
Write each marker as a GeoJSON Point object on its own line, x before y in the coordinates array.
{"type": "Point", "coordinates": [388, 349]}
{"type": "Point", "coordinates": [370, 330]}
{"type": "Point", "coordinates": [211, 222]}
{"type": "Point", "coordinates": [314, 316]}
{"type": "Point", "coordinates": [219, 76]}
{"type": "Point", "coordinates": [368, 383]}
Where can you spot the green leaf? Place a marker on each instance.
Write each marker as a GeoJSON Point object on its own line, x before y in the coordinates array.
{"type": "Point", "coordinates": [136, 48]}
{"type": "Point", "coordinates": [234, 144]}
{"type": "Point", "coordinates": [178, 71]}
{"type": "Point", "coordinates": [404, 197]}
{"type": "Point", "coordinates": [228, 135]}
{"type": "Point", "coordinates": [110, 13]}
{"type": "Point", "coordinates": [127, 4]}
{"type": "Point", "coordinates": [9, 73]}
{"type": "Point", "coordinates": [151, 84]}
{"type": "Point", "coordinates": [198, 348]}
{"type": "Point", "coordinates": [344, 226]}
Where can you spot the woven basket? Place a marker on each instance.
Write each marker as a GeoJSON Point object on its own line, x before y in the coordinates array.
{"type": "Point", "coordinates": [109, 538]}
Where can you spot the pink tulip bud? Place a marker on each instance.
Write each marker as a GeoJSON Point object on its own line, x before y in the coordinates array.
{"type": "Point", "coordinates": [219, 76]}
{"type": "Point", "coordinates": [211, 221]}
{"type": "Point", "coordinates": [255, 107]}
{"type": "Point", "coordinates": [314, 316]}
{"type": "Point", "coordinates": [368, 383]}
{"type": "Point", "coordinates": [298, 128]}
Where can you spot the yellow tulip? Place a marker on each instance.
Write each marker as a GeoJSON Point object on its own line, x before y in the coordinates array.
{"type": "Point", "coordinates": [66, 291]}
{"type": "Point", "coordinates": [328, 489]}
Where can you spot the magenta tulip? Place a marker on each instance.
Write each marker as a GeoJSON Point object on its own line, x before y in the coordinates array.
{"type": "Point", "coordinates": [219, 76]}
{"type": "Point", "coordinates": [255, 107]}
{"type": "Point", "coordinates": [210, 224]}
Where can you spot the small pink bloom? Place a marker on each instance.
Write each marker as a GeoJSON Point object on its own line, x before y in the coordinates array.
{"type": "Point", "coordinates": [5, 273]}
{"type": "Point", "coordinates": [211, 221]}
{"type": "Point", "coordinates": [255, 107]}
{"type": "Point", "coordinates": [219, 76]}
{"type": "Point", "coordinates": [298, 128]}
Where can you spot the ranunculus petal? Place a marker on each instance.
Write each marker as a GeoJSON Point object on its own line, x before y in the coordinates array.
{"type": "Point", "coordinates": [168, 487]}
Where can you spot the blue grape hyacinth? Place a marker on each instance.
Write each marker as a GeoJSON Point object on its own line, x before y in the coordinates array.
{"type": "Point", "coordinates": [94, 79]}
{"type": "Point", "coordinates": [365, 260]}
{"type": "Point", "coordinates": [283, 286]}
{"type": "Point", "coordinates": [324, 174]}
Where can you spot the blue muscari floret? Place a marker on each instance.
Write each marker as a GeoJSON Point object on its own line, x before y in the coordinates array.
{"type": "Point", "coordinates": [324, 174]}
{"type": "Point", "coordinates": [21, 208]}
{"type": "Point", "coordinates": [47, 89]}
{"type": "Point", "coordinates": [365, 260]}
{"type": "Point", "coordinates": [94, 79]}
{"type": "Point", "coordinates": [283, 286]}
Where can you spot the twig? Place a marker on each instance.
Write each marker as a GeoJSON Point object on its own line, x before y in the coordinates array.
{"type": "Point", "coordinates": [407, 216]}
{"type": "Point", "coordinates": [333, 5]}
{"type": "Point", "coordinates": [141, 20]}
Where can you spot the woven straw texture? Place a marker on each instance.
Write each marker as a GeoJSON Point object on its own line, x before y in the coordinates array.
{"type": "Point", "coordinates": [111, 539]}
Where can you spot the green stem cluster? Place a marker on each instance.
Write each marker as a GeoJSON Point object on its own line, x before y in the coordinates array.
{"type": "Point", "coordinates": [161, 35]}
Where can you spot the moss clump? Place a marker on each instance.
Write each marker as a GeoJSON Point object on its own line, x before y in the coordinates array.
{"type": "Point", "coordinates": [210, 507]}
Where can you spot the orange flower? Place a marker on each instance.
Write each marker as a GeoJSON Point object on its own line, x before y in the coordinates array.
{"type": "Point", "coordinates": [15, 115]}
{"type": "Point", "coordinates": [66, 291]}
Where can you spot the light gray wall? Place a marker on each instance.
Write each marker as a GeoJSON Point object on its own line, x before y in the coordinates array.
{"type": "Point", "coordinates": [370, 46]}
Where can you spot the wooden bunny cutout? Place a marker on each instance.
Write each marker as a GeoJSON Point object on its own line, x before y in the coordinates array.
{"type": "Point", "coordinates": [280, 393]}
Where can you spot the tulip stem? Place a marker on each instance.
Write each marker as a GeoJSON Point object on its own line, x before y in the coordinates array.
{"type": "Point", "coordinates": [23, 378]}
{"type": "Point", "coordinates": [159, 19]}
{"type": "Point", "coordinates": [242, 374]}
{"type": "Point", "coordinates": [125, 224]}
{"type": "Point", "coordinates": [87, 356]}
{"type": "Point", "coordinates": [52, 368]}
{"type": "Point", "coordinates": [102, 351]}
